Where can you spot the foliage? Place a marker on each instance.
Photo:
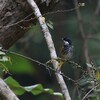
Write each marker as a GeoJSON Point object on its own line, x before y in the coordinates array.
{"type": "Point", "coordinates": [88, 85]}
{"type": "Point", "coordinates": [34, 89]}
{"type": "Point", "coordinates": [50, 24]}
{"type": "Point", "coordinates": [3, 58]}
{"type": "Point", "coordinates": [19, 65]}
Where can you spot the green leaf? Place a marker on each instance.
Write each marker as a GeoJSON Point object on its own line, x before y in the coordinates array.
{"type": "Point", "coordinates": [50, 91]}
{"type": "Point", "coordinates": [15, 86]}
{"type": "Point", "coordinates": [19, 65]}
{"type": "Point", "coordinates": [34, 89]}
{"type": "Point", "coordinates": [50, 24]}
{"type": "Point", "coordinates": [58, 94]}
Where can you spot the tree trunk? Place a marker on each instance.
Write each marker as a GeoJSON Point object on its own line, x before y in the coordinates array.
{"type": "Point", "coordinates": [11, 12]}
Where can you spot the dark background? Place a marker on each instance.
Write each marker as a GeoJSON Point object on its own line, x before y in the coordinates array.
{"type": "Point", "coordinates": [33, 45]}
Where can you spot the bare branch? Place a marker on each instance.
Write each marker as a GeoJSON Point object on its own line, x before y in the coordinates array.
{"type": "Point", "coordinates": [5, 92]}
{"type": "Point", "coordinates": [10, 12]}
{"type": "Point", "coordinates": [84, 37]}
{"type": "Point", "coordinates": [79, 20]}
{"type": "Point", "coordinates": [51, 47]}
{"type": "Point", "coordinates": [93, 19]}
{"type": "Point", "coordinates": [90, 91]}
{"type": "Point", "coordinates": [33, 18]}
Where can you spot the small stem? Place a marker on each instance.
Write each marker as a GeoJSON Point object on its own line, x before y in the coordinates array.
{"type": "Point", "coordinates": [90, 91]}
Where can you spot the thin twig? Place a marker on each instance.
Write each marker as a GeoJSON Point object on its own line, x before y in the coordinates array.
{"type": "Point", "coordinates": [31, 19]}
{"type": "Point", "coordinates": [79, 95]}
{"type": "Point", "coordinates": [83, 36]}
{"type": "Point", "coordinates": [70, 79]}
{"type": "Point", "coordinates": [10, 25]}
{"type": "Point", "coordinates": [39, 63]}
{"type": "Point", "coordinates": [90, 91]}
{"type": "Point", "coordinates": [93, 19]}
{"type": "Point", "coordinates": [85, 47]}
{"type": "Point", "coordinates": [55, 12]}
{"type": "Point", "coordinates": [79, 20]}
{"type": "Point", "coordinates": [28, 58]}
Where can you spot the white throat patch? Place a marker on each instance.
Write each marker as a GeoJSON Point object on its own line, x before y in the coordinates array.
{"type": "Point", "coordinates": [66, 42]}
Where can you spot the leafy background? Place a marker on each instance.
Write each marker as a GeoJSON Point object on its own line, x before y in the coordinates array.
{"type": "Point", "coordinates": [28, 73]}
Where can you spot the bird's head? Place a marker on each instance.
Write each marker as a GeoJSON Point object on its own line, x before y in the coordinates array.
{"type": "Point", "coordinates": [67, 41]}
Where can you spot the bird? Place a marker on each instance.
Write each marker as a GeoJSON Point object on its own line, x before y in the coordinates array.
{"type": "Point", "coordinates": [66, 52]}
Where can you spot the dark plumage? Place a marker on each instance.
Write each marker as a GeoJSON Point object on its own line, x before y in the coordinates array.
{"type": "Point", "coordinates": [67, 50]}
{"type": "Point", "coordinates": [66, 53]}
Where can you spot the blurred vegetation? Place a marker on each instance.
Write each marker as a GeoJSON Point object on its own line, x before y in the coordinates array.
{"type": "Point", "coordinates": [34, 46]}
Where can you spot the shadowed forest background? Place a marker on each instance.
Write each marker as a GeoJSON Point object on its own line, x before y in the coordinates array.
{"type": "Point", "coordinates": [63, 22]}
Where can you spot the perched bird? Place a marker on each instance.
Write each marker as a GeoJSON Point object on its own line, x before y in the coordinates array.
{"type": "Point", "coordinates": [66, 52]}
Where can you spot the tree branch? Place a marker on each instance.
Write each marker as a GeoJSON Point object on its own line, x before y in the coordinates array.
{"type": "Point", "coordinates": [10, 12]}
{"type": "Point", "coordinates": [83, 36]}
{"type": "Point", "coordinates": [90, 91]}
{"type": "Point", "coordinates": [93, 19]}
{"type": "Point", "coordinates": [51, 47]}
{"type": "Point", "coordinates": [5, 92]}
{"type": "Point", "coordinates": [79, 19]}
{"type": "Point", "coordinates": [12, 19]}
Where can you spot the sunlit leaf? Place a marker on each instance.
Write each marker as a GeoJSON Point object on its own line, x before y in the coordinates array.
{"type": "Point", "coordinates": [19, 65]}
{"type": "Point", "coordinates": [15, 86]}
{"type": "Point", "coordinates": [58, 94]}
{"type": "Point", "coordinates": [5, 58]}
{"type": "Point", "coordinates": [2, 53]}
{"type": "Point", "coordinates": [34, 89]}
{"type": "Point", "coordinates": [89, 65]}
{"type": "Point", "coordinates": [50, 24]}
{"type": "Point", "coordinates": [50, 91]}
{"type": "Point", "coordinates": [81, 4]}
